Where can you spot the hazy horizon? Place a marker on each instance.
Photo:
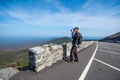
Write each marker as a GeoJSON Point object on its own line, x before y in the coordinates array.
{"type": "Point", "coordinates": [17, 42]}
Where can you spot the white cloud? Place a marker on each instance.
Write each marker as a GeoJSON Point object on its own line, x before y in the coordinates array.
{"type": "Point", "coordinates": [103, 19]}
{"type": "Point", "coordinates": [67, 19]}
{"type": "Point", "coordinates": [88, 3]}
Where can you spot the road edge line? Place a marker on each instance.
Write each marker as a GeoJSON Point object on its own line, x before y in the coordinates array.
{"type": "Point", "coordinates": [84, 73]}
{"type": "Point", "coordinates": [106, 64]}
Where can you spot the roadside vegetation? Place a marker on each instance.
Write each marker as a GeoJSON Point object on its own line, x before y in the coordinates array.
{"type": "Point", "coordinates": [14, 58]}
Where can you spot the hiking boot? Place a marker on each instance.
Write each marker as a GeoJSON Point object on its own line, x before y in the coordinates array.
{"type": "Point", "coordinates": [75, 60]}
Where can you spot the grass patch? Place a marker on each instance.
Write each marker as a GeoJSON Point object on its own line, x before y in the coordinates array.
{"type": "Point", "coordinates": [14, 58]}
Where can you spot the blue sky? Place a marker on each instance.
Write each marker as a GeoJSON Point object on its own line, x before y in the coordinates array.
{"type": "Point", "coordinates": [97, 18]}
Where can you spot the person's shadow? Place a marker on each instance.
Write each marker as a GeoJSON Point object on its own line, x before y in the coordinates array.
{"type": "Point", "coordinates": [66, 59]}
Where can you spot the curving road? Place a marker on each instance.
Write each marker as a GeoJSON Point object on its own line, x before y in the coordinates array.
{"type": "Point", "coordinates": [101, 61]}
{"type": "Point", "coordinates": [106, 63]}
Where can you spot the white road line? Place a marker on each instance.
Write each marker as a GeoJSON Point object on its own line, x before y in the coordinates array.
{"type": "Point", "coordinates": [107, 64]}
{"type": "Point", "coordinates": [108, 52]}
{"type": "Point", "coordinates": [84, 73]}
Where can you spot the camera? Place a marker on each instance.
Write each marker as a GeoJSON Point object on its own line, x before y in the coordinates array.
{"type": "Point", "coordinates": [71, 30]}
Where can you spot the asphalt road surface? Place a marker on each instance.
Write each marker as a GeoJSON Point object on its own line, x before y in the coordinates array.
{"type": "Point", "coordinates": [101, 61]}
{"type": "Point", "coordinates": [106, 63]}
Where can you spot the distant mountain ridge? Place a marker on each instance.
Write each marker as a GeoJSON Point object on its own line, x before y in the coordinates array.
{"type": "Point", "coordinates": [69, 39]}
{"type": "Point", "coordinates": [60, 40]}
{"type": "Point", "coordinates": [112, 38]}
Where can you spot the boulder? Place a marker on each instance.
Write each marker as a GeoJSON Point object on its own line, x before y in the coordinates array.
{"type": "Point", "coordinates": [6, 73]}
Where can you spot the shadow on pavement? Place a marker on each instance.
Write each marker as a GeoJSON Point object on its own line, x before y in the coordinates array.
{"type": "Point", "coordinates": [66, 59]}
{"type": "Point", "coordinates": [24, 68]}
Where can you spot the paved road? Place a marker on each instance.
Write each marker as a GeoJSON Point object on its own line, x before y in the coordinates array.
{"type": "Point", "coordinates": [107, 53]}
{"type": "Point", "coordinates": [106, 65]}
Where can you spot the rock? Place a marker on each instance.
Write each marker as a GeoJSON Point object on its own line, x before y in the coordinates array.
{"type": "Point", "coordinates": [6, 73]}
{"type": "Point", "coordinates": [38, 57]}
{"type": "Point", "coordinates": [39, 63]}
{"type": "Point", "coordinates": [48, 62]}
{"type": "Point", "coordinates": [37, 69]}
{"type": "Point", "coordinates": [60, 47]}
{"type": "Point", "coordinates": [54, 47]}
{"type": "Point", "coordinates": [46, 45]}
{"type": "Point", "coordinates": [37, 50]}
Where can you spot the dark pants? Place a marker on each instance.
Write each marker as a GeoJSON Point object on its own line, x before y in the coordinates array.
{"type": "Point", "coordinates": [73, 53]}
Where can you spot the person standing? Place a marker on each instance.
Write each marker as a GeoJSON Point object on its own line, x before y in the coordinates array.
{"type": "Point", "coordinates": [76, 41]}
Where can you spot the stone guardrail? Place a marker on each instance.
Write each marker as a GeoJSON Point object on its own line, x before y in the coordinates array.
{"type": "Point", "coordinates": [47, 54]}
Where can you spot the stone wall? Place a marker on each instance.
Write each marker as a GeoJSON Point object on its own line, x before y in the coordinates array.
{"type": "Point", "coordinates": [47, 54]}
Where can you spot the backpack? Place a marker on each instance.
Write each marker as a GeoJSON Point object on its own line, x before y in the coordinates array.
{"type": "Point", "coordinates": [80, 39]}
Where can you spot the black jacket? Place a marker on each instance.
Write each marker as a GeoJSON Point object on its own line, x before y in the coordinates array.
{"type": "Point", "coordinates": [76, 39]}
